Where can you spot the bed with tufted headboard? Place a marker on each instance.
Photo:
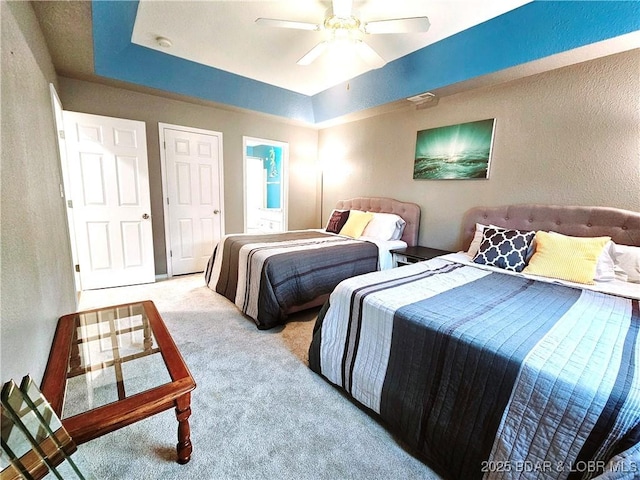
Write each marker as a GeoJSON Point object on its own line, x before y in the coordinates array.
{"type": "Point", "coordinates": [501, 371]}
{"type": "Point", "coordinates": [271, 276]}
{"type": "Point", "coordinates": [409, 212]}
{"type": "Point", "coordinates": [623, 226]}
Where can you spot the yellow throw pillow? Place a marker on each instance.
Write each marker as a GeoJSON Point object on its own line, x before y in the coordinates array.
{"type": "Point", "coordinates": [356, 223]}
{"type": "Point", "coordinates": [566, 258]}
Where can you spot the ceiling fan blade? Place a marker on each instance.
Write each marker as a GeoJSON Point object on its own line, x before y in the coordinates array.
{"type": "Point", "coordinates": [398, 25]}
{"type": "Point", "coordinates": [272, 22]}
{"type": "Point", "coordinates": [369, 55]}
{"type": "Point", "coordinates": [312, 54]}
{"type": "Point", "coordinates": [342, 8]}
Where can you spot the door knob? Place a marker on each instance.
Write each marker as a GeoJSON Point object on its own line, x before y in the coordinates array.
{"type": "Point", "coordinates": [145, 216]}
{"type": "Point", "coordinates": [216, 211]}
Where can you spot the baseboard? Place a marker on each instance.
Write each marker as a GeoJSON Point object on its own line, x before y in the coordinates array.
{"type": "Point", "coordinates": [163, 276]}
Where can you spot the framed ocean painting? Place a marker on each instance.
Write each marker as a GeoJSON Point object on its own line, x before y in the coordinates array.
{"type": "Point", "coordinates": [454, 152]}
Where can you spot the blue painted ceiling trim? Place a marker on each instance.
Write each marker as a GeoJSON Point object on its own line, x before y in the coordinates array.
{"type": "Point", "coordinates": [116, 57]}
{"type": "Point", "coordinates": [531, 32]}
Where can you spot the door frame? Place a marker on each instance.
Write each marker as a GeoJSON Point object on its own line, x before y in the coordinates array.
{"type": "Point", "coordinates": [247, 160]}
{"type": "Point", "coordinates": [249, 141]}
{"type": "Point", "coordinates": [65, 188]}
{"type": "Point", "coordinates": [165, 187]}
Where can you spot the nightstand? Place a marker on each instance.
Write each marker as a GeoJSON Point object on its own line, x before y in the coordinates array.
{"type": "Point", "coordinates": [409, 255]}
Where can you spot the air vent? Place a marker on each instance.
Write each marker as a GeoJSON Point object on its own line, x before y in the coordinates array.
{"type": "Point", "coordinates": [424, 100]}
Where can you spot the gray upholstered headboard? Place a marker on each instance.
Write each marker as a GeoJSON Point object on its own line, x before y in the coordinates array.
{"type": "Point", "coordinates": [410, 212]}
{"type": "Point", "coordinates": [623, 226]}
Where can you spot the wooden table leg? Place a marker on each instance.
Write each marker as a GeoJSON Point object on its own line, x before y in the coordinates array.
{"type": "Point", "coordinates": [75, 360]}
{"type": "Point", "coordinates": [183, 412]}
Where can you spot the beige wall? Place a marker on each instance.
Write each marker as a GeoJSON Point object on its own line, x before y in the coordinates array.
{"type": "Point", "coordinates": [304, 209]}
{"type": "Point", "coordinates": [569, 136]}
{"type": "Point", "coordinates": [37, 280]}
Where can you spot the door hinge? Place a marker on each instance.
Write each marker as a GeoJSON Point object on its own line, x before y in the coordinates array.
{"type": "Point", "coordinates": [77, 268]}
{"type": "Point", "coordinates": [171, 253]}
{"type": "Point", "coordinates": [70, 203]}
{"type": "Point", "coordinates": [167, 200]}
{"type": "Point", "coordinates": [61, 134]}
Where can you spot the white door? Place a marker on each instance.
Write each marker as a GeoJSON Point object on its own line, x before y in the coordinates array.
{"type": "Point", "coordinates": [192, 160]}
{"type": "Point", "coordinates": [255, 195]}
{"type": "Point", "coordinates": [108, 172]}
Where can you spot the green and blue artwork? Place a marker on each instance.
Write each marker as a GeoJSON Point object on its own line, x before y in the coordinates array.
{"type": "Point", "coordinates": [454, 152]}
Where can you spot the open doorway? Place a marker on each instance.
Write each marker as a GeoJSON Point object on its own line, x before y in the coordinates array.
{"type": "Point", "coordinates": [265, 185]}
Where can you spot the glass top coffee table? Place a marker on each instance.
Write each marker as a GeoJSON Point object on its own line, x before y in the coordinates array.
{"type": "Point", "coordinates": [113, 366]}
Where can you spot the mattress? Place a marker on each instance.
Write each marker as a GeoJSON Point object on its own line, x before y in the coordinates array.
{"type": "Point", "coordinates": [267, 275]}
{"type": "Point", "coordinates": [487, 374]}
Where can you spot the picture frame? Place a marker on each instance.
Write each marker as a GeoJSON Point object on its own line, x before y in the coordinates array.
{"type": "Point", "coordinates": [454, 152]}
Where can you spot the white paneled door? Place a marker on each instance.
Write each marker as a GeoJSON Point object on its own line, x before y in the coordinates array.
{"type": "Point", "coordinates": [192, 160]}
{"type": "Point", "coordinates": [107, 160]}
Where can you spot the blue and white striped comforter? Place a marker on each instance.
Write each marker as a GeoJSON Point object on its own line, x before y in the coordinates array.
{"type": "Point", "coordinates": [487, 374]}
{"type": "Point", "coordinates": [265, 275]}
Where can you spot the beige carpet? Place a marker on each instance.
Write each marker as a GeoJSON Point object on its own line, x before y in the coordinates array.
{"type": "Point", "coordinates": [259, 412]}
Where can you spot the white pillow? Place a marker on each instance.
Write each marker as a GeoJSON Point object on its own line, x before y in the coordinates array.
{"type": "Point", "coordinates": [384, 226]}
{"type": "Point", "coordinates": [477, 240]}
{"type": "Point", "coordinates": [606, 266]}
{"type": "Point", "coordinates": [627, 258]}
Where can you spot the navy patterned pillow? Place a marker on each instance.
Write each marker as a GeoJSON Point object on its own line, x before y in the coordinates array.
{"type": "Point", "coordinates": [337, 221]}
{"type": "Point", "coordinates": [504, 248]}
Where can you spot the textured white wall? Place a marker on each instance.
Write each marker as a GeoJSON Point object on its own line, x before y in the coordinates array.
{"type": "Point", "coordinates": [37, 280]}
{"type": "Point", "coordinates": [569, 136]}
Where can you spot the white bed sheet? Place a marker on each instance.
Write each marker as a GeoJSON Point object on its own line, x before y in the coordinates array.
{"type": "Point", "coordinates": [385, 258]}
{"type": "Point", "coordinates": [613, 287]}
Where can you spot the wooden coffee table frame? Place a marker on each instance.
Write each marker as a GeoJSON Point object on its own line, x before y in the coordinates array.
{"type": "Point", "coordinates": [107, 418]}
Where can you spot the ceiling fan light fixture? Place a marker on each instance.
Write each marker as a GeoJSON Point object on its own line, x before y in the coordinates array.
{"type": "Point", "coordinates": [342, 8]}
{"type": "Point", "coordinates": [398, 25]}
{"type": "Point", "coordinates": [342, 23]}
{"type": "Point", "coordinates": [345, 35]}
{"type": "Point", "coordinates": [272, 22]}
{"type": "Point", "coordinates": [343, 30]}
{"type": "Point", "coordinates": [369, 55]}
{"type": "Point", "coordinates": [309, 57]}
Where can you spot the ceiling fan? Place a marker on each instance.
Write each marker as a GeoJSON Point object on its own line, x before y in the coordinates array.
{"type": "Point", "coordinates": [343, 28]}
